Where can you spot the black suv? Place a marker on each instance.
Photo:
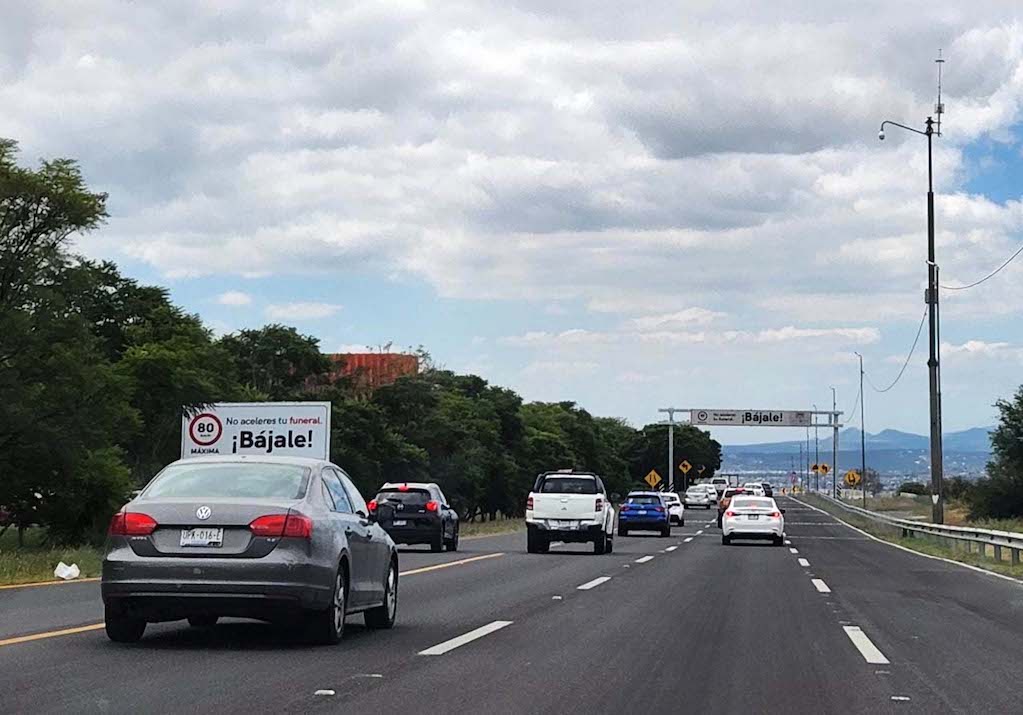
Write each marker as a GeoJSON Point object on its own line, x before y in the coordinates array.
{"type": "Point", "coordinates": [416, 513]}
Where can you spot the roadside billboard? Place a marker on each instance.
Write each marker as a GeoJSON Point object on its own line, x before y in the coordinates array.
{"type": "Point", "coordinates": [286, 429]}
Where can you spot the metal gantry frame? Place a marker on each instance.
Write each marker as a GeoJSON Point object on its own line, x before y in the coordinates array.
{"type": "Point", "coordinates": [833, 421]}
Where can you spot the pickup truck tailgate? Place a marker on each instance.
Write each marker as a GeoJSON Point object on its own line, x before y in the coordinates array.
{"type": "Point", "coordinates": [565, 506]}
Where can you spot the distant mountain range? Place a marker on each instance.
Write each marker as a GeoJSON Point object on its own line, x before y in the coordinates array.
{"type": "Point", "coordinates": [890, 452]}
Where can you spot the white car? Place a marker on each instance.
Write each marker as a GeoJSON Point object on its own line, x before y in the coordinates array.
{"type": "Point", "coordinates": [701, 495]}
{"type": "Point", "coordinates": [720, 484]}
{"type": "Point", "coordinates": [676, 509]}
{"type": "Point", "coordinates": [753, 517]}
{"type": "Point", "coordinates": [571, 507]}
{"type": "Point", "coordinates": [754, 488]}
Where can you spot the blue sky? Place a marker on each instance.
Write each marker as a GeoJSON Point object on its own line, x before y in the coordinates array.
{"type": "Point", "coordinates": [666, 206]}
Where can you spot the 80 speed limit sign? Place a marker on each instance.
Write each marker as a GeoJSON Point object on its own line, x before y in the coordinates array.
{"type": "Point", "coordinates": [205, 429]}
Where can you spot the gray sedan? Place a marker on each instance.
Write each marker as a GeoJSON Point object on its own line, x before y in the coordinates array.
{"type": "Point", "coordinates": [271, 538]}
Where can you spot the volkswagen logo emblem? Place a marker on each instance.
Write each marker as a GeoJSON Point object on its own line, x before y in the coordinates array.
{"type": "Point", "coordinates": [203, 513]}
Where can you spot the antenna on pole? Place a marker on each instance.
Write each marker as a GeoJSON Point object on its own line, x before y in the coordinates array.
{"type": "Point", "coordinates": [939, 108]}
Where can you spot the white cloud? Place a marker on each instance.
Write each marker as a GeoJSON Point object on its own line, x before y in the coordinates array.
{"type": "Point", "coordinates": [301, 311]}
{"type": "Point", "coordinates": [234, 298]}
{"type": "Point", "coordinates": [982, 349]}
{"type": "Point", "coordinates": [560, 368]}
{"type": "Point", "coordinates": [689, 316]}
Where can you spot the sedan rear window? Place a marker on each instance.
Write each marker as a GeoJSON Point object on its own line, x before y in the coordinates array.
{"type": "Point", "coordinates": [752, 503]}
{"type": "Point", "coordinates": [643, 499]}
{"type": "Point", "coordinates": [408, 497]}
{"type": "Point", "coordinates": [569, 485]}
{"type": "Point", "coordinates": [251, 480]}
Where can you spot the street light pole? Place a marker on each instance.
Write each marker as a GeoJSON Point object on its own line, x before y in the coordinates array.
{"type": "Point", "coordinates": [671, 444]}
{"type": "Point", "coordinates": [931, 298]}
{"type": "Point", "coordinates": [816, 453]}
{"type": "Point", "coordinates": [834, 443]}
{"type": "Point", "coordinates": [863, 439]}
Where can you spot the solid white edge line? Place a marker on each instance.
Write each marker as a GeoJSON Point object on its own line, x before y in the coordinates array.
{"type": "Point", "coordinates": [820, 585]}
{"type": "Point", "coordinates": [971, 567]}
{"type": "Point", "coordinates": [803, 562]}
{"type": "Point", "coordinates": [643, 559]}
{"type": "Point", "coordinates": [442, 648]}
{"type": "Point", "coordinates": [594, 583]}
{"type": "Point", "coordinates": [671, 548]}
{"type": "Point", "coordinates": [865, 646]}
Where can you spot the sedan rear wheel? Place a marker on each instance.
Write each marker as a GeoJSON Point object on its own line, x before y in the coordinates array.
{"type": "Point", "coordinates": [121, 628]}
{"type": "Point", "coordinates": [383, 616]}
{"type": "Point", "coordinates": [452, 545]}
{"type": "Point", "coordinates": [437, 542]}
{"type": "Point", "coordinates": [327, 627]}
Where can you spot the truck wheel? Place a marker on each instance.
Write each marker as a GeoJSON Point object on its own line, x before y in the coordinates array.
{"type": "Point", "coordinates": [537, 543]}
{"type": "Point", "coordinates": [600, 545]}
{"type": "Point", "coordinates": [610, 543]}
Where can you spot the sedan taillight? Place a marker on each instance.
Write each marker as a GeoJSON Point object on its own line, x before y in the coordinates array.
{"type": "Point", "coordinates": [278, 525]}
{"type": "Point", "coordinates": [774, 514]}
{"type": "Point", "coordinates": [432, 505]}
{"type": "Point", "coordinates": [132, 524]}
{"type": "Point", "coordinates": [372, 506]}
{"type": "Point", "coordinates": [731, 513]}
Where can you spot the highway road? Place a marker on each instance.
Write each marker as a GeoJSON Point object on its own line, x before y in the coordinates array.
{"type": "Point", "coordinates": [833, 622]}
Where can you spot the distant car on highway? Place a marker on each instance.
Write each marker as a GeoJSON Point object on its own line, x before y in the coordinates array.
{"type": "Point", "coordinates": [273, 538]}
{"type": "Point", "coordinates": [725, 499]}
{"type": "Point", "coordinates": [676, 509]}
{"type": "Point", "coordinates": [752, 517]}
{"type": "Point", "coordinates": [419, 514]}
{"type": "Point", "coordinates": [701, 495]}
{"type": "Point", "coordinates": [571, 507]}
{"type": "Point", "coordinates": [643, 511]}
{"type": "Point", "coordinates": [754, 488]}
{"type": "Point", "coordinates": [720, 484]}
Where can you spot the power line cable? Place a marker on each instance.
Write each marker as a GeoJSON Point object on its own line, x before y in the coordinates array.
{"type": "Point", "coordinates": [898, 377]}
{"type": "Point", "coordinates": [856, 407]}
{"type": "Point", "coordinates": [990, 275]}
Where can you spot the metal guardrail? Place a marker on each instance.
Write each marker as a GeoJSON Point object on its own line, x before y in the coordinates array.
{"type": "Point", "coordinates": [974, 539]}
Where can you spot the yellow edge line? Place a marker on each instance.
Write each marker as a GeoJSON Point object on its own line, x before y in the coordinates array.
{"type": "Point", "coordinates": [48, 583]}
{"type": "Point", "coordinates": [98, 626]}
{"type": "Point", "coordinates": [449, 564]}
{"type": "Point", "coordinates": [50, 634]}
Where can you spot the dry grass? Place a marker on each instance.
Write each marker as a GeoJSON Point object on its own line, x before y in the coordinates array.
{"type": "Point", "coordinates": [490, 528]}
{"type": "Point", "coordinates": [35, 561]}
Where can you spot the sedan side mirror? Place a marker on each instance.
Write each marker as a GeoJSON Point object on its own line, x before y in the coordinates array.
{"type": "Point", "coordinates": [135, 493]}
{"type": "Point", "coordinates": [782, 511]}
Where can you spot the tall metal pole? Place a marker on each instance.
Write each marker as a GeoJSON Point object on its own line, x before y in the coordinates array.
{"type": "Point", "coordinates": [816, 453]}
{"type": "Point", "coordinates": [863, 439]}
{"type": "Point", "coordinates": [671, 455]}
{"type": "Point", "coordinates": [937, 465]}
{"type": "Point", "coordinates": [801, 463]}
{"type": "Point", "coordinates": [834, 443]}
{"type": "Point", "coordinates": [807, 459]}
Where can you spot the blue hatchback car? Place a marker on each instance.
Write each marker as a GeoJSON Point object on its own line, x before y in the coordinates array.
{"type": "Point", "coordinates": [643, 511]}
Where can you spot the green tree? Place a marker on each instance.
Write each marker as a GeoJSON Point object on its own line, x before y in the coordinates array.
{"type": "Point", "coordinates": [650, 451]}
{"type": "Point", "coordinates": [277, 360]}
{"type": "Point", "coordinates": [999, 495]}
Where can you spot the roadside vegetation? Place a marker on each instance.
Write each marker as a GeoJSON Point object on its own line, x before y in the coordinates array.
{"type": "Point", "coordinates": [96, 371]}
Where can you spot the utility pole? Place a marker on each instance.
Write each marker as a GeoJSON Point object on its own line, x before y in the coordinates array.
{"type": "Point", "coordinates": [671, 444]}
{"type": "Point", "coordinates": [932, 127]}
{"type": "Point", "coordinates": [816, 453]}
{"type": "Point", "coordinates": [834, 443]}
{"type": "Point", "coordinates": [808, 458]}
{"type": "Point", "coordinates": [863, 439]}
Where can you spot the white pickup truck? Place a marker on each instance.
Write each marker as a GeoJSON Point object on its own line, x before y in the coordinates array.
{"type": "Point", "coordinates": [571, 507]}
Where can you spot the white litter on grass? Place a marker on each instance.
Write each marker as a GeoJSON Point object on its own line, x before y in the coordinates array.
{"type": "Point", "coordinates": [67, 572]}
{"type": "Point", "coordinates": [329, 693]}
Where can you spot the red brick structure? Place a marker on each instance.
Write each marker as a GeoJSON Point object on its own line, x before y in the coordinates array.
{"type": "Point", "coordinates": [369, 371]}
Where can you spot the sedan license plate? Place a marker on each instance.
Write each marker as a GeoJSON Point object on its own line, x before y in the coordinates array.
{"type": "Point", "coordinates": [400, 522]}
{"type": "Point", "coordinates": [204, 536]}
{"type": "Point", "coordinates": [754, 517]}
{"type": "Point", "coordinates": [641, 512]}
{"type": "Point", "coordinates": [562, 524]}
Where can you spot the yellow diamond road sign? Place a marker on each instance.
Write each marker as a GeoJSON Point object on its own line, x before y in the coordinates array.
{"type": "Point", "coordinates": [852, 478]}
{"type": "Point", "coordinates": [825, 469]}
{"type": "Point", "coordinates": [685, 466]}
{"type": "Point", "coordinates": [815, 468]}
{"type": "Point", "coordinates": [653, 479]}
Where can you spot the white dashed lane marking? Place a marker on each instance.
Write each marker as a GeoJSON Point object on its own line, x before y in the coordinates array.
{"type": "Point", "coordinates": [820, 585]}
{"type": "Point", "coordinates": [689, 539]}
{"type": "Point", "coordinates": [446, 646]}
{"type": "Point", "coordinates": [793, 551]}
{"type": "Point", "coordinates": [594, 583]}
{"type": "Point", "coordinates": [804, 562]}
{"type": "Point", "coordinates": [671, 548]}
{"type": "Point", "coordinates": [644, 559]}
{"type": "Point", "coordinates": [865, 646]}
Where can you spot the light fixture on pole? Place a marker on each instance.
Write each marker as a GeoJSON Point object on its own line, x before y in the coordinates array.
{"type": "Point", "coordinates": [931, 298]}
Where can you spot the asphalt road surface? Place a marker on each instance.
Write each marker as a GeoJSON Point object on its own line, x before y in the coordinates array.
{"type": "Point", "coordinates": [833, 622]}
